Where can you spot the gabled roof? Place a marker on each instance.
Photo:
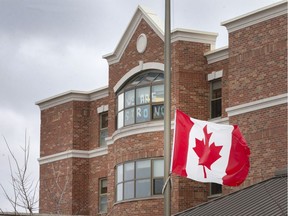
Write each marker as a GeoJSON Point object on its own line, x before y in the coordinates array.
{"type": "Point", "coordinates": [268, 197]}
{"type": "Point", "coordinates": [141, 13]}
{"type": "Point", "coordinates": [158, 27]}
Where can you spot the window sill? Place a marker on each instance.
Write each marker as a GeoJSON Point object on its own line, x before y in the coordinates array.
{"type": "Point", "coordinates": [139, 199]}
{"type": "Point", "coordinates": [214, 196]}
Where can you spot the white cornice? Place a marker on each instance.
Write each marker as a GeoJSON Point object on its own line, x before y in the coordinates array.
{"type": "Point", "coordinates": [257, 105]}
{"type": "Point", "coordinates": [257, 16]}
{"type": "Point", "coordinates": [157, 25]}
{"type": "Point", "coordinates": [135, 129]}
{"type": "Point", "coordinates": [220, 120]}
{"type": "Point", "coordinates": [73, 154]}
{"type": "Point", "coordinates": [72, 96]}
{"type": "Point", "coordinates": [217, 55]}
{"type": "Point", "coordinates": [179, 34]}
{"type": "Point", "coordinates": [142, 66]}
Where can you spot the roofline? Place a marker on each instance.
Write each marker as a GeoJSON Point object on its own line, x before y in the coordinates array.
{"type": "Point", "coordinates": [140, 13]}
{"type": "Point", "coordinates": [256, 16]}
{"type": "Point", "coordinates": [72, 96]}
{"type": "Point", "coordinates": [282, 173]}
{"type": "Point", "coordinates": [157, 25]}
{"type": "Point", "coordinates": [217, 55]}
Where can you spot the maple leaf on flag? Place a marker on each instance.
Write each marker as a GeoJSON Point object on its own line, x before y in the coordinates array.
{"type": "Point", "coordinates": [207, 154]}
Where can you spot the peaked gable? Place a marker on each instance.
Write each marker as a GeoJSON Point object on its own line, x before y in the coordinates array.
{"type": "Point", "coordinates": [152, 20]}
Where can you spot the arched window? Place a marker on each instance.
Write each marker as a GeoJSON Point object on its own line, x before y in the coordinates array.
{"type": "Point", "coordinates": [141, 99]}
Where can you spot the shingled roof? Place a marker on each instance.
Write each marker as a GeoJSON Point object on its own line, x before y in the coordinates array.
{"type": "Point", "coordinates": [268, 197]}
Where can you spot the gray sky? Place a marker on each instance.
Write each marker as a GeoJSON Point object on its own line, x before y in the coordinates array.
{"type": "Point", "coordinates": [51, 46]}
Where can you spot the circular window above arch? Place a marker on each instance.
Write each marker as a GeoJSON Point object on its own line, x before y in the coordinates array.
{"type": "Point", "coordinates": [141, 43]}
{"type": "Point", "coordinates": [141, 99]}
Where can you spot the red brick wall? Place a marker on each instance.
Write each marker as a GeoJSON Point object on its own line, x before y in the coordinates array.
{"type": "Point", "coordinates": [56, 129]}
{"type": "Point", "coordinates": [97, 170]}
{"type": "Point", "coordinates": [258, 61]}
{"type": "Point", "coordinates": [256, 69]}
{"type": "Point", "coordinates": [56, 187]}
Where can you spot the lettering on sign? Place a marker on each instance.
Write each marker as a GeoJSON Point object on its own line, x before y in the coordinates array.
{"type": "Point", "coordinates": [144, 98]}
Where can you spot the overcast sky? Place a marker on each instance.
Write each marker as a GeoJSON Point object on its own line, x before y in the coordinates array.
{"type": "Point", "coordinates": [52, 46]}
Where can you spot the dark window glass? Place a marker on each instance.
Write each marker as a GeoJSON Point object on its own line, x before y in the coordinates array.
{"type": "Point", "coordinates": [103, 128]}
{"type": "Point", "coordinates": [216, 99]}
{"type": "Point", "coordinates": [158, 185]}
{"type": "Point", "coordinates": [103, 196]}
{"type": "Point", "coordinates": [215, 188]}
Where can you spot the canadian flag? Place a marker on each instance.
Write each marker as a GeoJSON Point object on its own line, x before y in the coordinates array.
{"type": "Point", "coordinates": [209, 152]}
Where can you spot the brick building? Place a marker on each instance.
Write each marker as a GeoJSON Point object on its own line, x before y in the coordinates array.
{"type": "Point", "coordinates": [102, 151]}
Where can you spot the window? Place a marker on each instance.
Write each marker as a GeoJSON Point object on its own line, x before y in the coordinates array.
{"type": "Point", "coordinates": [215, 189]}
{"type": "Point", "coordinates": [139, 179]}
{"type": "Point", "coordinates": [216, 99]}
{"type": "Point", "coordinates": [103, 128]}
{"type": "Point", "coordinates": [141, 99]}
{"type": "Point", "coordinates": [103, 195]}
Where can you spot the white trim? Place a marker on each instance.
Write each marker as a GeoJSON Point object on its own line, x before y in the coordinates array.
{"type": "Point", "coordinates": [103, 108]}
{"type": "Point", "coordinates": [73, 154]}
{"type": "Point", "coordinates": [179, 34]}
{"type": "Point", "coordinates": [257, 105]}
{"type": "Point", "coordinates": [257, 16]}
{"type": "Point", "coordinates": [215, 75]}
{"type": "Point", "coordinates": [157, 25]}
{"type": "Point", "coordinates": [141, 43]}
{"type": "Point", "coordinates": [217, 55]}
{"type": "Point", "coordinates": [220, 120]}
{"type": "Point", "coordinates": [142, 66]}
{"type": "Point", "coordinates": [72, 96]}
{"type": "Point", "coordinates": [153, 21]}
{"type": "Point", "coordinates": [135, 129]}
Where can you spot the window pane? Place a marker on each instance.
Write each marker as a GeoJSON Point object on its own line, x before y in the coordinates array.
{"type": "Point", "coordinates": [119, 173]}
{"type": "Point", "coordinates": [142, 113]}
{"type": "Point", "coordinates": [143, 95]}
{"type": "Point", "coordinates": [143, 188]}
{"type": "Point", "coordinates": [215, 188]}
{"type": "Point", "coordinates": [103, 135]}
{"type": "Point", "coordinates": [130, 98]}
{"type": "Point", "coordinates": [158, 111]}
{"type": "Point", "coordinates": [120, 102]}
{"type": "Point", "coordinates": [119, 192]}
{"type": "Point", "coordinates": [158, 168]}
{"type": "Point", "coordinates": [158, 93]}
{"type": "Point", "coordinates": [104, 120]}
{"type": "Point", "coordinates": [151, 76]}
{"type": "Point", "coordinates": [216, 108]}
{"type": "Point", "coordinates": [129, 116]}
{"type": "Point", "coordinates": [120, 119]}
{"type": "Point", "coordinates": [103, 189]}
{"type": "Point", "coordinates": [143, 169]}
{"type": "Point", "coordinates": [216, 94]}
{"type": "Point", "coordinates": [157, 186]}
{"type": "Point", "coordinates": [129, 190]}
{"type": "Point", "coordinates": [128, 171]}
{"type": "Point", "coordinates": [103, 204]}
{"type": "Point", "coordinates": [160, 78]}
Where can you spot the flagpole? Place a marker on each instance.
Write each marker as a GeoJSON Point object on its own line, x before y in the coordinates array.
{"type": "Point", "coordinates": [167, 108]}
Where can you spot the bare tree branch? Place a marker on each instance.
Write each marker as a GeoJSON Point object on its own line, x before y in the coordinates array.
{"type": "Point", "coordinates": [24, 189]}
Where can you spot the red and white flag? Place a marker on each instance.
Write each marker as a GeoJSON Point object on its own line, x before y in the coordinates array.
{"type": "Point", "coordinates": [209, 152]}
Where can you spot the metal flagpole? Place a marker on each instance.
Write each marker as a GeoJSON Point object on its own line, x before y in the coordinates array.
{"type": "Point", "coordinates": [167, 108]}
